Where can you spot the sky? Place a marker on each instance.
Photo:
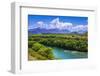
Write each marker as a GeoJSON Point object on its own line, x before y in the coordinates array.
{"type": "Point", "coordinates": [73, 23]}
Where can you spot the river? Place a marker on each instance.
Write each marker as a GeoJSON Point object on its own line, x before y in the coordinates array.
{"type": "Point", "coordinates": [60, 53]}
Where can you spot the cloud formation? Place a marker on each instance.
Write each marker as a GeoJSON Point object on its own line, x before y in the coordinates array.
{"type": "Point", "coordinates": [40, 24]}
{"type": "Point", "coordinates": [57, 24]}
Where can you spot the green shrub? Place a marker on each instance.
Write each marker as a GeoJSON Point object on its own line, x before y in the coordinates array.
{"type": "Point", "coordinates": [30, 43]}
{"type": "Point", "coordinates": [36, 46]}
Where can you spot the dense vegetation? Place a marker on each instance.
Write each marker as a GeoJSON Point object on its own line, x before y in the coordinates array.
{"type": "Point", "coordinates": [39, 51]}
{"type": "Point", "coordinates": [37, 44]}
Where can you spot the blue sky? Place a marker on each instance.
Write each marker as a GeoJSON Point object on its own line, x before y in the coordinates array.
{"type": "Point", "coordinates": [62, 22]}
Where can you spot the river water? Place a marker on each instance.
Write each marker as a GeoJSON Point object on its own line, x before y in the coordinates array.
{"type": "Point", "coordinates": [60, 53]}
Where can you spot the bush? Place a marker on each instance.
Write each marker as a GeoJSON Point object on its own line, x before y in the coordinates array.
{"type": "Point", "coordinates": [40, 51]}
{"type": "Point", "coordinates": [36, 46]}
{"type": "Point", "coordinates": [30, 43]}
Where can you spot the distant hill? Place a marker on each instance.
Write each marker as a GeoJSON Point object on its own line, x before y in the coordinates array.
{"type": "Point", "coordinates": [63, 31]}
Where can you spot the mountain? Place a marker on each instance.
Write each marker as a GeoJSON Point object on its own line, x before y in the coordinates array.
{"type": "Point", "coordinates": [43, 30]}
{"type": "Point", "coordinates": [60, 31]}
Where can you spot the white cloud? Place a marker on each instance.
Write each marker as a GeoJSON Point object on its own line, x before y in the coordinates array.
{"type": "Point", "coordinates": [55, 21]}
{"type": "Point", "coordinates": [40, 24]}
{"type": "Point", "coordinates": [66, 25]}
{"type": "Point", "coordinates": [54, 24]}
{"type": "Point", "coordinates": [57, 24]}
{"type": "Point", "coordinates": [79, 28]}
